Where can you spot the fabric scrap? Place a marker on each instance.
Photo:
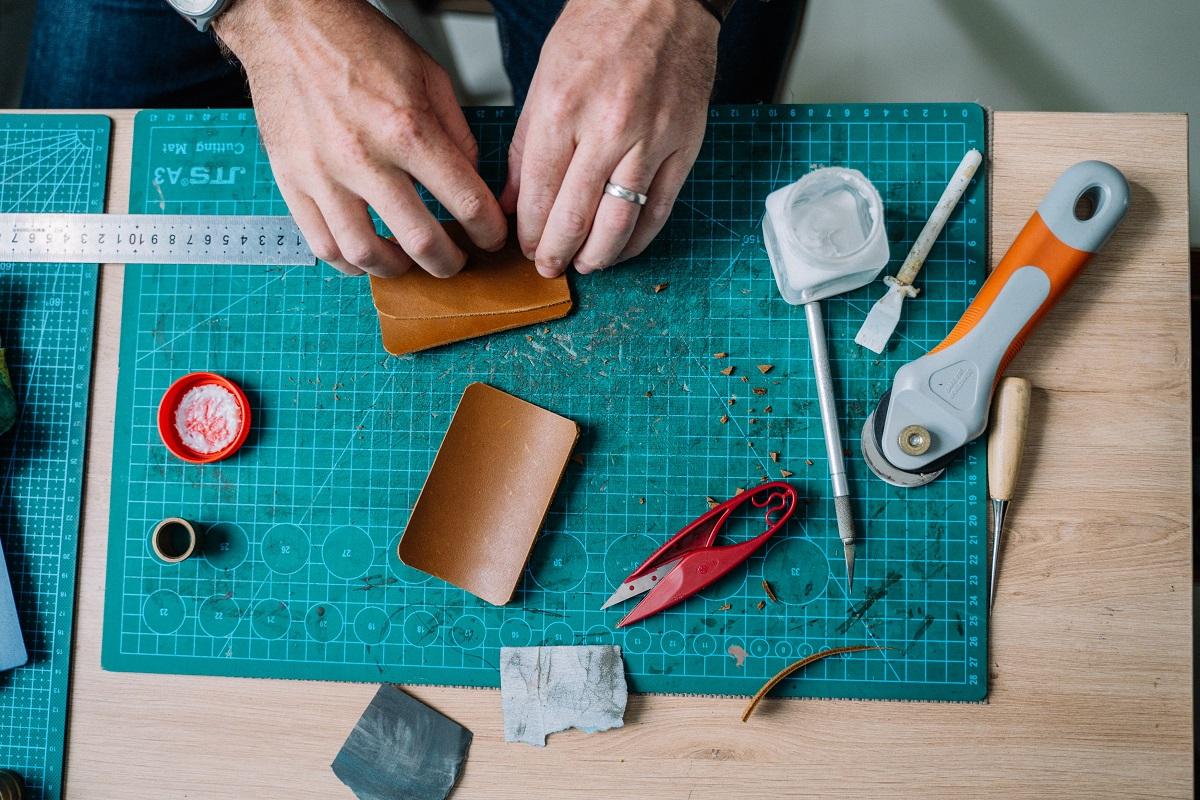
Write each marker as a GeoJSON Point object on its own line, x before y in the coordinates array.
{"type": "Point", "coordinates": [402, 748]}
{"type": "Point", "coordinates": [549, 689]}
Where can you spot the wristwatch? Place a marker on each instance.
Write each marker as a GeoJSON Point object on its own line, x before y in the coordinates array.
{"type": "Point", "coordinates": [200, 13]}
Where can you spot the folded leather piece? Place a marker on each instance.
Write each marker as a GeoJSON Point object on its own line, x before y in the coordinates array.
{"type": "Point", "coordinates": [494, 292]}
{"type": "Point", "coordinates": [488, 492]}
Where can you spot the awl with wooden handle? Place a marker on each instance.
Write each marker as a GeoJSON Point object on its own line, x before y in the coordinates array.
{"type": "Point", "coordinates": [1006, 441]}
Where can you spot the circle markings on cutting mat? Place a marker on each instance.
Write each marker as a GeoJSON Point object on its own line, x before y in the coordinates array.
{"type": "Point", "coordinates": [163, 611]}
{"type": "Point", "coordinates": [371, 625]}
{"type": "Point", "coordinates": [637, 640]}
{"type": "Point", "coordinates": [271, 618]}
{"type": "Point", "coordinates": [219, 615]}
{"type": "Point", "coordinates": [348, 552]}
{"type": "Point", "coordinates": [558, 563]}
{"type": "Point", "coordinates": [625, 555]}
{"type": "Point", "coordinates": [468, 632]}
{"type": "Point", "coordinates": [285, 549]}
{"type": "Point", "coordinates": [173, 540]}
{"type": "Point", "coordinates": [421, 628]}
{"type": "Point", "coordinates": [673, 643]}
{"type": "Point", "coordinates": [558, 634]}
{"type": "Point", "coordinates": [225, 545]}
{"type": "Point", "coordinates": [515, 632]}
{"type": "Point", "coordinates": [323, 622]}
{"type": "Point", "coordinates": [797, 571]}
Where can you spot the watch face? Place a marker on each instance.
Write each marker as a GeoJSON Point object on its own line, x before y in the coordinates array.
{"type": "Point", "coordinates": [195, 8]}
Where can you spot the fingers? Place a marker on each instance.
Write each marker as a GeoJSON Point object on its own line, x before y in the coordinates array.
{"type": "Point", "coordinates": [316, 232]}
{"type": "Point", "coordinates": [442, 168]}
{"type": "Point", "coordinates": [423, 238]}
{"type": "Point", "coordinates": [512, 182]}
{"type": "Point", "coordinates": [357, 243]}
{"type": "Point", "coordinates": [615, 218]}
{"type": "Point", "coordinates": [541, 178]}
{"type": "Point", "coordinates": [662, 193]}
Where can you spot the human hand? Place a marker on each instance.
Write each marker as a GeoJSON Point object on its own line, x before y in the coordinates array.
{"type": "Point", "coordinates": [351, 110]}
{"type": "Point", "coordinates": [621, 94]}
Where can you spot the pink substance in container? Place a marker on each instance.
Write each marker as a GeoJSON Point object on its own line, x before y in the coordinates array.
{"type": "Point", "coordinates": [208, 418]}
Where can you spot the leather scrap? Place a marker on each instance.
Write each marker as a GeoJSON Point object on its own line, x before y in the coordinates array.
{"type": "Point", "coordinates": [402, 748]}
{"type": "Point", "coordinates": [488, 492]}
{"type": "Point", "coordinates": [494, 292]}
{"type": "Point", "coordinates": [549, 689]}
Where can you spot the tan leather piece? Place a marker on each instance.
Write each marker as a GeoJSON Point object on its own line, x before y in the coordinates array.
{"type": "Point", "coordinates": [494, 292]}
{"type": "Point", "coordinates": [488, 492]}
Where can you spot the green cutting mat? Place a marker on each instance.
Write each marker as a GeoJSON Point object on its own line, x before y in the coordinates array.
{"type": "Point", "coordinates": [300, 579]}
{"type": "Point", "coordinates": [47, 163]}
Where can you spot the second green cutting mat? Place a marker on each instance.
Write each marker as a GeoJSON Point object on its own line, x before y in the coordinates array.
{"type": "Point", "coordinates": [299, 577]}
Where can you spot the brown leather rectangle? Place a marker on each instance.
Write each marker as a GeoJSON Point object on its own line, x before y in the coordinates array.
{"type": "Point", "coordinates": [488, 492]}
{"type": "Point", "coordinates": [494, 292]}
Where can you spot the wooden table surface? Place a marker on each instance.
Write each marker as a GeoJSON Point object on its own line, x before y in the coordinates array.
{"type": "Point", "coordinates": [1091, 655]}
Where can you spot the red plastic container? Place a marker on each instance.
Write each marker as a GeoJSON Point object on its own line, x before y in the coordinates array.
{"type": "Point", "coordinates": [170, 402]}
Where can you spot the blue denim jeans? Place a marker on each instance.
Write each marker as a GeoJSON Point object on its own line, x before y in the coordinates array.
{"type": "Point", "coordinates": [140, 53]}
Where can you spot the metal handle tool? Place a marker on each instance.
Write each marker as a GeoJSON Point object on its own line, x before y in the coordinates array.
{"type": "Point", "coordinates": [1006, 442]}
{"type": "Point", "coordinates": [833, 434]}
{"type": "Point", "coordinates": [152, 239]}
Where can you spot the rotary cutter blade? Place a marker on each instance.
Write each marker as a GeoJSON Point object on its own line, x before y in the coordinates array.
{"type": "Point", "coordinates": [882, 468]}
{"type": "Point", "coordinates": [940, 402]}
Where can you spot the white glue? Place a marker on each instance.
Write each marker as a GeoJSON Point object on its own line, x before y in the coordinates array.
{"type": "Point", "coordinates": [825, 234]}
{"type": "Point", "coordinates": [208, 418]}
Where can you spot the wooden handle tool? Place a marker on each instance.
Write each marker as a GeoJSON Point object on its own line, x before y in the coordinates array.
{"type": "Point", "coordinates": [1006, 441]}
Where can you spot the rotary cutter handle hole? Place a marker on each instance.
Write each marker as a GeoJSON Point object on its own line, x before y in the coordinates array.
{"type": "Point", "coordinates": [1088, 202]}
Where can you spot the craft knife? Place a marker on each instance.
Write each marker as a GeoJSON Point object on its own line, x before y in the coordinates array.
{"type": "Point", "coordinates": [939, 402]}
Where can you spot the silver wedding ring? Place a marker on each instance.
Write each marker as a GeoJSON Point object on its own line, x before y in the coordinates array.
{"type": "Point", "coordinates": [616, 190]}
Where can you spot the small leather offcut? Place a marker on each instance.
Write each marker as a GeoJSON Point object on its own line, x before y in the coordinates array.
{"type": "Point", "coordinates": [488, 492]}
{"type": "Point", "coordinates": [402, 748]}
{"type": "Point", "coordinates": [494, 292]}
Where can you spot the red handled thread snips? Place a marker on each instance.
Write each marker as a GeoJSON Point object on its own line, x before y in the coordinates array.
{"type": "Point", "coordinates": [688, 562]}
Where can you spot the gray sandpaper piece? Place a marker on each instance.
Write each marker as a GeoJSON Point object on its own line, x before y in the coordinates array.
{"type": "Point", "coordinates": [12, 644]}
{"type": "Point", "coordinates": [550, 689]}
{"type": "Point", "coordinates": [402, 749]}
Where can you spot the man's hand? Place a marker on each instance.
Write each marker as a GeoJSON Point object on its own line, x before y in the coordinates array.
{"type": "Point", "coordinates": [621, 94]}
{"type": "Point", "coordinates": [351, 111]}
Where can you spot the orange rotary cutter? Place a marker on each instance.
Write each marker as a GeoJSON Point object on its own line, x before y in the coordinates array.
{"type": "Point", "coordinates": [940, 402]}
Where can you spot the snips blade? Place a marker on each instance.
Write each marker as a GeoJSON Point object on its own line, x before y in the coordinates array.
{"type": "Point", "coordinates": [702, 564]}
{"type": "Point", "coordinates": [640, 585]}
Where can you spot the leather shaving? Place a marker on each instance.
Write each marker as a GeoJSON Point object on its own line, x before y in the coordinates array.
{"type": "Point", "coordinates": [770, 592]}
{"type": "Point", "coordinates": [798, 665]}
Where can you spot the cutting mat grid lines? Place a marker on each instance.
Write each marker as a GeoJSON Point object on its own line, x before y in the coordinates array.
{"type": "Point", "coordinates": [299, 576]}
{"type": "Point", "coordinates": [48, 163]}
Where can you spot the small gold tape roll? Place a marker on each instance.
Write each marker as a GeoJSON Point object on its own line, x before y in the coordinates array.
{"type": "Point", "coordinates": [11, 786]}
{"type": "Point", "coordinates": [173, 540]}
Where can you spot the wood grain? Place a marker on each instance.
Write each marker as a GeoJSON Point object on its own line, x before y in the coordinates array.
{"type": "Point", "coordinates": [1091, 656]}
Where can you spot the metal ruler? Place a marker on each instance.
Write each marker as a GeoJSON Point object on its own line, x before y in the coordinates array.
{"type": "Point", "coordinates": [151, 239]}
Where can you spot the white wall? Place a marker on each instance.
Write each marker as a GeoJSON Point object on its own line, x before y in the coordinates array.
{"type": "Point", "coordinates": [1045, 55]}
